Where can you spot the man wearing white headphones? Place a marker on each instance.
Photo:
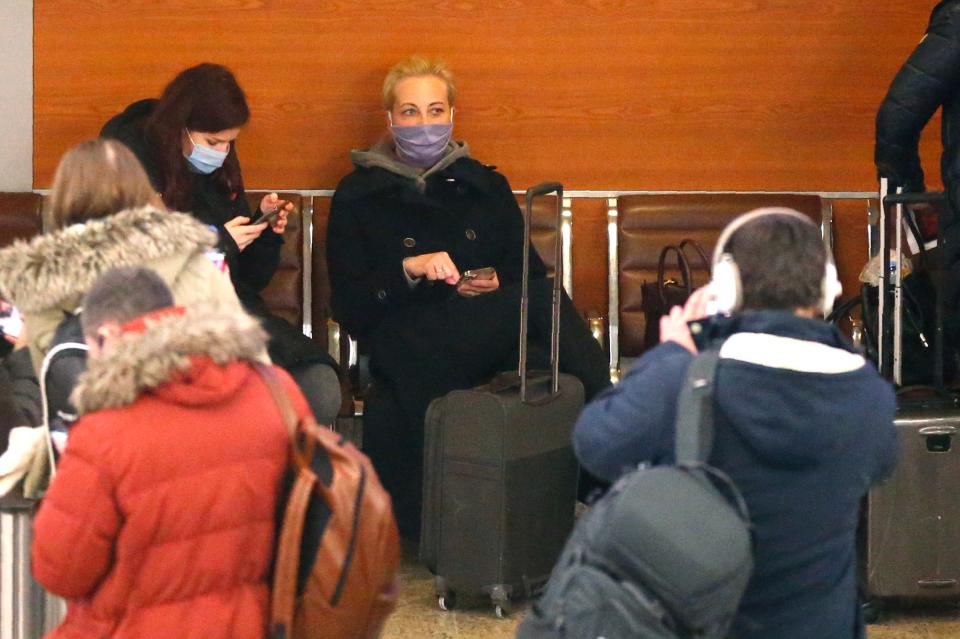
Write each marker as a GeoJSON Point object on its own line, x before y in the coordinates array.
{"type": "Point", "coordinates": [803, 423]}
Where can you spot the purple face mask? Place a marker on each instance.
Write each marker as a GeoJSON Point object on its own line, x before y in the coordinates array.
{"type": "Point", "coordinates": [422, 145]}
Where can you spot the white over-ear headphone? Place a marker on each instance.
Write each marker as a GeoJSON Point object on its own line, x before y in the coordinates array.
{"type": "Point", "coordinates": [726, 287]}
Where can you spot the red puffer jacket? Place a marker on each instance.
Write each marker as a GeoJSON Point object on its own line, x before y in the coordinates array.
{"type": "Point", "coordinates": [160, 521]}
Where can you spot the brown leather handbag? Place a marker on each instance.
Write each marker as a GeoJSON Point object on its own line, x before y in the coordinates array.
{"type": "Point", "coordinates": [350, 585]}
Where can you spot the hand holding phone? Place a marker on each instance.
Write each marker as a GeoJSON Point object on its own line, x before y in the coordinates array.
{"type": "Point", "coordinates": [477, 281]}
{"type": "Point", "coordinates": [485, 273]}
{"type": "Point", "coordinates": [271, 217]}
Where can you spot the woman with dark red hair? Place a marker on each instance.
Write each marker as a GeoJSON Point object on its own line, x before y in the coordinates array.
{"type": "Point", "coordinates": [186, 141]}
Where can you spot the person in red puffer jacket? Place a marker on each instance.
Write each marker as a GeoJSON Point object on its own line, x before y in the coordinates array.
{"type": "Point", "coordinates": [160, 520]}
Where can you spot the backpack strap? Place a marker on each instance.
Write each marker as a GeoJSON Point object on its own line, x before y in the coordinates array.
{"type": "Point", "coordinates": [299, 460]}
{"type": "Point", "coordinates": [694, 425]}
{"type": "Point", "coordinates": [287, 562]}
{"type": "Point", "coordinates": [52, 354]}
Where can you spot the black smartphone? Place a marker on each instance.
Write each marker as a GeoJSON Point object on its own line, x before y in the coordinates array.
{"type": "Point", "coordinates": [270, 217]}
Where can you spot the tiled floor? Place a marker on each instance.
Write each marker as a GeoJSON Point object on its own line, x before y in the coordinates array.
{"type": "Point", "coordinates": [418, 617]}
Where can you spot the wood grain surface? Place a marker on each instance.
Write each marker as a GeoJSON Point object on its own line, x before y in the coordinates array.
{"type": "Point", "coordinates": [628, 94]}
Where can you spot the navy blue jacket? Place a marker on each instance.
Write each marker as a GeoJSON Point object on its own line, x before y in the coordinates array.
{"type": "Point", "coordinates": [804, 426]}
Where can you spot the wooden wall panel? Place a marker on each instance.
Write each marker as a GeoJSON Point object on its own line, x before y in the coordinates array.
{"type": "Point", "coordinates": [630, 94]}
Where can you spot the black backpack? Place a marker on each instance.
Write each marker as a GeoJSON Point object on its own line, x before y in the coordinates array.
{"type": "Point", "coordinates": [61, 367]}
{"type": "Point", "coordinates": [665, 554]}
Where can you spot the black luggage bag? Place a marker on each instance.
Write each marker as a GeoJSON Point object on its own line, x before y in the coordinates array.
{"type": "Point", "coordinates": [500, 476]}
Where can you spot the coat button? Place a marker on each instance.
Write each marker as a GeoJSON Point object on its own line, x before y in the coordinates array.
{"type": "Point", "coordinates": [381, 294]}
{"type": "Point", "coordinates": [409, 242]}
{"type": "Point", "coordinates": [471, 234]}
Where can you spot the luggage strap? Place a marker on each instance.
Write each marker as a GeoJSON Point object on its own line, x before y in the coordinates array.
{"type": "Point", "coordinates": [694, 438]}
{"type": "Point", "coordinates": [695, 426]}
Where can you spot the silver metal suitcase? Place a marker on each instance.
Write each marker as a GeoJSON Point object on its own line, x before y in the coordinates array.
{"type": "Point", "coordinates": [913, 519]}
{"type": "Point", "coordinates": [26, 611]}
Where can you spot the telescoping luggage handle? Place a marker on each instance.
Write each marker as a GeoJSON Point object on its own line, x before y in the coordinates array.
{"type": "Point", "coordinates": [534, 192]}
{"type": "Point", "coordinates": [890, 344]}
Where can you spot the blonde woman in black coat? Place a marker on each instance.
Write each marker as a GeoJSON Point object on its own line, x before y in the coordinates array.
{"type": "Point", "coordinates": [415, 214]}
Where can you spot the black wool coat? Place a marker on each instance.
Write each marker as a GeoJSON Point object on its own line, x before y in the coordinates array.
{"type": "Point", "coordinates": [378, 218]}
{"type": "Point", "coordinates": [928, 80]}
{"type": "Point", "coordinates": [251, 269]}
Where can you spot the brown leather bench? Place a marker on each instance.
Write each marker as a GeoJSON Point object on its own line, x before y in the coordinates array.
{"type": "Point", "coordinates": [20, 216]}
{"type": "Point", "coordinates": [285, 293]}
{"type": "Point", "coordinates": [543, 229]}
{"type": "Point", "coordinates": [646, 223]}
{"type": "Point", "coordinates": [320, 279]}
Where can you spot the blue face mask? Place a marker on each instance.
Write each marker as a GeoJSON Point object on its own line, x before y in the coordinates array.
{"type": "Point", "coordinates": [422, 145]}
{"type": "Point", "coordinates": [204, 159]}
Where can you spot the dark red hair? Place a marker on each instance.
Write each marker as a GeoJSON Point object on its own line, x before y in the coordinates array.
{"type": "Point", "coordinates": [202, 98]}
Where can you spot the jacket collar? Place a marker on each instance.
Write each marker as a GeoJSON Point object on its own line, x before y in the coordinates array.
{"type": "Point", "coordinates": [56, 267]}
{"type": "Point", "coordinates": [154, 350]}
{"type": "Point", "coordinates": [715, 330]}
{"type": "Point", "coordinates": [382, 171]}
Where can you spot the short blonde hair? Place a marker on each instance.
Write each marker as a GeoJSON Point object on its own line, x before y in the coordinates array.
{"type": "Point", "coordinates": [95, 179]}
{"type": "Point", "coordinates": [415, 66]}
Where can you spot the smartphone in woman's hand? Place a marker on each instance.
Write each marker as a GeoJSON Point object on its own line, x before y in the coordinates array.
{"type": "Point", "coordinates": [270, 217]}
{"type": "Point", "coordinates": [485, 273]}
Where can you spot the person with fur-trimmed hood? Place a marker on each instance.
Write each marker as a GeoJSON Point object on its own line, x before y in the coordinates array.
{"type": "Point", "coordinates": [160, 520]}
{"type": "Point", "coordinates": [103, 213]}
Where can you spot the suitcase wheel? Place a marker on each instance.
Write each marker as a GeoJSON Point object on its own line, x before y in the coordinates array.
{"type": "Point", "coordinates": [446, 598]}
{"type": "Point", "coordinates": [501, 602]}
{"type": "Point", "coordinates": [447, 602]}
{"type": "Point", "coordinates": [871, 610]}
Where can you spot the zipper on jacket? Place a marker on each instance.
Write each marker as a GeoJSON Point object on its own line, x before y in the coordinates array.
{"type": "Point", "coordinates": [342, 580]}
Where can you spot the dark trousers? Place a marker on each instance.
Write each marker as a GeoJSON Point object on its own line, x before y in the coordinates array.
{"type": "Point", "coordinates": [424, 352]}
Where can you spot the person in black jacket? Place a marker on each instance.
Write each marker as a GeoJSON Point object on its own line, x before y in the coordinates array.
{"type": "Point", "coordinates": [186, 141]}
{"type": "Point", "coordinates": [19, 389]}
{"type": "Point", "coordinates": [415, 214]}
{"type": "Point", "coordinates": [929, 80]}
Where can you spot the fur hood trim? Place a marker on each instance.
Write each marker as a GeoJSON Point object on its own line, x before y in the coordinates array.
{"type": "Point", "coordinates": [54, 268]}
{"type": "Point", "coordinates": [141, 361]}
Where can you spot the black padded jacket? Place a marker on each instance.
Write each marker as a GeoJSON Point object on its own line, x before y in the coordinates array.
{"type": "Point", "coordinates": [927, 81]}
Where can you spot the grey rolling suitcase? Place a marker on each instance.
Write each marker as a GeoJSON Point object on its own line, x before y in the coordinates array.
{"type": "Point", "coordinates": [500, 477]}
{"type": "Point", "coordinates": [26, 611]}
{"type": "Point", "coordinates": [910, 548]}
{"type": "Point", "coordinates": [913, 520]}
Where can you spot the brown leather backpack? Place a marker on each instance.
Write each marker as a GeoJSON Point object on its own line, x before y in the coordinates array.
{"type": "Point", "coordinates": [352, 586]}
